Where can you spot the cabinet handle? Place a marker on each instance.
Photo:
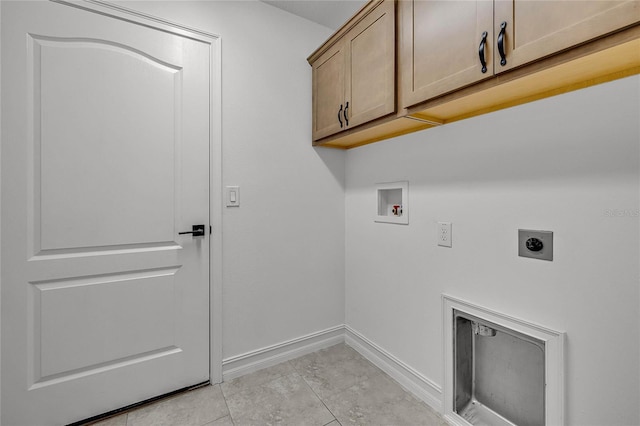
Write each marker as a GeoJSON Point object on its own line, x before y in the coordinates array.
{"type": "Point", "coordinates": [340, 116]}
{"type": "Point", "coordinates": [483, 61]}
{"type": "Point", "coordinates": [346, 116]}
{"type": "Point", "coordinates": [503, 57]}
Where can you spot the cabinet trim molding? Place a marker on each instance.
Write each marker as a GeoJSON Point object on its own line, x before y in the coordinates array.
{"type": "Point", "coordinates": [352, 22]}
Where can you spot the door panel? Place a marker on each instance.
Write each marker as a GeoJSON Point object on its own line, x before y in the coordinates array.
{"type": "Point", "coordinates": [536, 29]}
{"type": "Point", "coordinates": [105, 158]}
{"type": "Point", "coordinates": [79, 96]}
{"type": "Point", "coordinates": [328, 92]}
{"type": "Point", "coordinates": [440, 54]}
{"type": "Point", "coordinates": [107, 327]}
{"type": "Point", "coordinates": [370, 85]}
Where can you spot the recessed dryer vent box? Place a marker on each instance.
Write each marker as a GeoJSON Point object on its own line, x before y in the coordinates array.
{"type": "Point", "coordinates": [393, 202]}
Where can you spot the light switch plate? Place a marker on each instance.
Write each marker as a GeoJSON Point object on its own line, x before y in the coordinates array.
{"type": "Point", "coordinates": [535, 244]}
{"type": "Point", "coordinates": [233, 196]}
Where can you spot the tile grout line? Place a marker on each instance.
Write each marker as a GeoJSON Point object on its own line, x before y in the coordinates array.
{"type": "Point", "coordinates": [226, 404]}
{"type": "Point", "coordinates": [379, 372]}
{"type": "Point", "coordinates": [302, 370]}
{"type": "Point", "coordinates": [261, 384]}
{"type": "Point", "coordinates": [341, 391]}
{"type": "Point", "coordinates": [317, 396]}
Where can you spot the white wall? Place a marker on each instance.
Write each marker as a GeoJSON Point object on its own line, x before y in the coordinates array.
{"type": "Point", "coordinates": [0, 218]}
{"type": "Point", "coordinates": [283, 248]}
{"type": "Point", "coordinates": [568, 164]}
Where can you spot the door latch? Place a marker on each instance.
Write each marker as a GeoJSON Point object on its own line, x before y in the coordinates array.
{"type": "Point", "coordinates": [197, 231]}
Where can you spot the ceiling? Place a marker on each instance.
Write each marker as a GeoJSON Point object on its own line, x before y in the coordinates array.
{"type": "Point", "coordinates": [330, 13]}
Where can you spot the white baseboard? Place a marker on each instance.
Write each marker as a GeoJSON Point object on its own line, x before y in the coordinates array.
{"type": "Point", "coordinates": [249, 362]}
{"type": "Point", "coordinates": [406, 376]}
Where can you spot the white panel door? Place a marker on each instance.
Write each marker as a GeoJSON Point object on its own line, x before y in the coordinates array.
{"type": "Point", "coordinates": [105, 159]}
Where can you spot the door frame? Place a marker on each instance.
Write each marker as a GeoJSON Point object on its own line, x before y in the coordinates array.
{"type": "Point", "coordinates": [215, 157]}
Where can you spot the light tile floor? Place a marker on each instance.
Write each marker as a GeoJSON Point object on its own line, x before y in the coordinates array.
{"type": "Point", "coordinates": [334, 387]}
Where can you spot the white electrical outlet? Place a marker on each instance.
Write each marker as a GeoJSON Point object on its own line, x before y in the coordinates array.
{"type": "Point", "coordinates": [444, 234]}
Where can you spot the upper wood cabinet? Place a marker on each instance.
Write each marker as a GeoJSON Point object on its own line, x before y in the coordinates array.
{"type": "Point", "coordinates": [354, 72]}
{"type": "Point", "coordinates": [445, 44]}
{"type": "Point", "coordinates": [459, 59]}
{"type": "Point", "coordinates": [440, 46]}
{"type": "Point", "coordinates": [533, 29]}
{"type": "Point", "coordinates": [328, 92]}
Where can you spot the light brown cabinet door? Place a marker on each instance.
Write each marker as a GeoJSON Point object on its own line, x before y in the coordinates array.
{"type": "Point", "coordinates": [328, 92]}
{"type": "Point", "coordinates": [440, 46]}
{"type": "Point", "coordinates": [535, 29]}
{"type": "Point", "coordinates": [370, 83]}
